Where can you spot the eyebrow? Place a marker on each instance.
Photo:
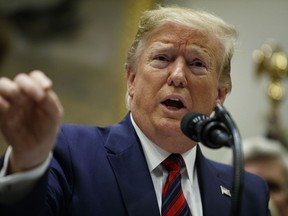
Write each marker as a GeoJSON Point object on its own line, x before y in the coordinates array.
{"type": "Point", "coordinates": [163, 46]}
{"type": "Point", "coordinates": [160, 46]}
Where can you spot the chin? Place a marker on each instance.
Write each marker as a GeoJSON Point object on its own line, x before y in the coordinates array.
{"type": "Point", "coordinates": [171, 128]}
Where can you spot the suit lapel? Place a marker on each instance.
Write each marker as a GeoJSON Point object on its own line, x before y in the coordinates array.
{"type": "Point", "coordinates": [128, 162]}
{"type": "Point", "coordinates": [131, 171]}
{"type": "Point", "coordinates": [210, 182]}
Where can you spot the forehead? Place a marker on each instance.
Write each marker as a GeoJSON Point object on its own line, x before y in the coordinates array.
{"type": "Point", "coordinates": [174, 35]}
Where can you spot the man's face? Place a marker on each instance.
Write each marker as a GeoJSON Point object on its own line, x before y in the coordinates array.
{"type": "Point", "coordinates": [272, 171]}
{"type": "Point", "coordinates": [177, 72]}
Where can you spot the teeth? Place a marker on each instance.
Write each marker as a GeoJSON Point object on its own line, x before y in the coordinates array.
{"type": "Point", "coordinates": [174, 99]}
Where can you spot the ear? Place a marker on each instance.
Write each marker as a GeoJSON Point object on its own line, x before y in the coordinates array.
{"type": "Point", "coordinates": [131, 75]}
{"type": "Point", "coordinates": [222, 93]}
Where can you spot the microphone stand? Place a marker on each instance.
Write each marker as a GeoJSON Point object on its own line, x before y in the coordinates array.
{"type": "Point", "coordinates": [222, 114]}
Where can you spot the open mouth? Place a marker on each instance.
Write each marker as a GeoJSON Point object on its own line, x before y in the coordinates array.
{"type": "Point", "coordinates": [173, 103]}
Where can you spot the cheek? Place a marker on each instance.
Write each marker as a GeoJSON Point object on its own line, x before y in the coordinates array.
{"type": "Point", "coordinates": [204, 89]}
{"type": "Point", "coordinates": [142, 89]}
{"type": "Point", "coordinates": [204, 96]}
{"type": "Point", "coordinates": [150, 80]}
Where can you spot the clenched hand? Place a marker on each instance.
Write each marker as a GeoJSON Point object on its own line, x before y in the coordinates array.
{"type": "Point", "coordinates": [30, 115]}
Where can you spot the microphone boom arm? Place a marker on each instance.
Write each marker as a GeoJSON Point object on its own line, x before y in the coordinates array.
{"type": "Point", "coordinates": [235, 143]}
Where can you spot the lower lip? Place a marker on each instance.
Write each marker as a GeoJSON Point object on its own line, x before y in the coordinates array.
{"type": "Point", "coordinates": [172, 109]}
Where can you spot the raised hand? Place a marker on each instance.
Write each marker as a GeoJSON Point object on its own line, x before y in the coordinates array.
{"type": "Point", "coordinates": [30, 115]}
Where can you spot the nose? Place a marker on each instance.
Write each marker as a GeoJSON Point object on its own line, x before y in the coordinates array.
{"type": "Point", "coordinates": [177, 75]}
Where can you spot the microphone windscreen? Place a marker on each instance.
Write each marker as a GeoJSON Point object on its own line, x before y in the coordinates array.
{"type": "Point", "coordinates": [190, 124]}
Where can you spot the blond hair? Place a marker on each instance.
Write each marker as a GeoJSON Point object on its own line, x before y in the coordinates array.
{"type": "Point", "coordinates": [194, 19]}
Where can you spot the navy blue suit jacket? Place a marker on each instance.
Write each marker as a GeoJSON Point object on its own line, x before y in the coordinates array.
{"type": "Point", "coordinates": [102, 172]}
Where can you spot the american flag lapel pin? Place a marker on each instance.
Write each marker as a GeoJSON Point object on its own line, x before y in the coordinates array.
{"type": "Point", "coordinates": [225, 191]}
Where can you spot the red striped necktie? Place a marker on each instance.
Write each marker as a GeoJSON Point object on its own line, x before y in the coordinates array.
{"type": "Point", "coordinates": [173, 200]}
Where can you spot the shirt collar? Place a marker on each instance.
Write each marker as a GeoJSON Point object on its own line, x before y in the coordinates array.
{"type": "Point", "coordinates": [155, 155]}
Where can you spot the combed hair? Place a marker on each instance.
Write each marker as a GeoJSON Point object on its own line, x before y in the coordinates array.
{"type": "Point", "coordinates": [194, 19]}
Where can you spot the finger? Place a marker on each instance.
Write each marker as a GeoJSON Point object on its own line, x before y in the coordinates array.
{"type": "Point", "coordinates": [51, 103]}
{"type": "Point", "coordinates": [8, 88]}
{"type": "Point", "coordinates": [41, 79]}
{"type": "Point", "coordinates": [57, 106]}
{"type": "Point", "coordinates": [31, 88]}
{"type": "Point", "coordinates": [4, 104]}
{"type": "Point", "coordinates": [52, 106]}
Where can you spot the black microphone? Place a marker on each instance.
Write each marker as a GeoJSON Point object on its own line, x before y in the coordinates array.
{"type": "Point", "coordinates": [215, 132]}
{"type": "Point", "coordinates": [209, 131]}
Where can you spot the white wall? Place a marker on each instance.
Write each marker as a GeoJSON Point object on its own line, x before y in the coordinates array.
{"type": "Point", "coordinates": [257, 21]}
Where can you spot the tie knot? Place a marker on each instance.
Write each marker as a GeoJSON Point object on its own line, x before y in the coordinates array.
{"type": "Point", "coordinates": [173, 163]}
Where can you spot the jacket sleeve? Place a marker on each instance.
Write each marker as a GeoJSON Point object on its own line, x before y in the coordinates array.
{"type": "Point", "coordinates": [15, 187]}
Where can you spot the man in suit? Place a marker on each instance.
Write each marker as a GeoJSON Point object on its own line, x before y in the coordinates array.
{"type": "Point", "coordinates": [179, 62]}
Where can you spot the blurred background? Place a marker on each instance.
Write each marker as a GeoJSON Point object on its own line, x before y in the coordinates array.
{"type": "Point", "coordinates": [82, 46]}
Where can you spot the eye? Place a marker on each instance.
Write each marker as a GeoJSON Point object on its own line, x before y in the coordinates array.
{"type": "Point", "coordinates": [197, 63]}
{"type": "Point", "coordinates": [198, 67]}
{"type": "Point", "coordinates": [160, 61]}
{"type": "Point", "coordinates": [161, 58]}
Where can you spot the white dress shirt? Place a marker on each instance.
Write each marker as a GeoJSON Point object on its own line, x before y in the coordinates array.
{"type": "Point", "coordinates": [154, 157]}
